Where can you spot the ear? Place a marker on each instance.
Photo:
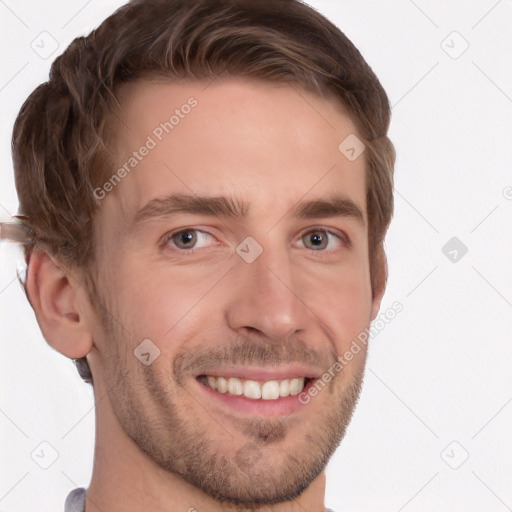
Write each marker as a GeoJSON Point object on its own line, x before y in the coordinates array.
{"type": "Point", "coordinates": [58, 298]}
{"type": "Point", "coordinates": [379, 276]}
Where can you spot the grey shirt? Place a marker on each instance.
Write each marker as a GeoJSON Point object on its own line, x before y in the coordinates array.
{"type": "Point", "coordinates": [75, 502]}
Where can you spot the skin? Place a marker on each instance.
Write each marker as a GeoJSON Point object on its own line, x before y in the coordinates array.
{"type": "Point", "coordinates": [161, 442]}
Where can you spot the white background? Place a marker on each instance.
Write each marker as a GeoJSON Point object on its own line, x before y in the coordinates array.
{"type": "Point", "coordinates": [438, 375]}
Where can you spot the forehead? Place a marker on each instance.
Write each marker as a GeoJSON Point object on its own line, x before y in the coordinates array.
{"type": "Point", "coordinates": [268, 144]}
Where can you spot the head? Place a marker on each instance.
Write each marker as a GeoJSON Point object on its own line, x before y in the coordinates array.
{"type": "Point", "coordinates": [218, 120]}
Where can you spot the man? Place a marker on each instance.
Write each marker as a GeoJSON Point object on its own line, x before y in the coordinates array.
{"type": "Point", "coordinates": [208, 185]}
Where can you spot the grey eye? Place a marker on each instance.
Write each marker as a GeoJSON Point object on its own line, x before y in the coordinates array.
{"type": "Point", "coordinates": [318, 239]}
{"type": "Point", "coordinates": [185, 239]}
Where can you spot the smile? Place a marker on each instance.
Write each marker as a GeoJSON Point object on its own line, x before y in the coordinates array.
{"type": "Point", "coordinates": [256, 390]}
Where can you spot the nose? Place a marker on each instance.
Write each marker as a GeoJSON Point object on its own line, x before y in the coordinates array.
{"type": "Point", "coordinates": [267, 299]}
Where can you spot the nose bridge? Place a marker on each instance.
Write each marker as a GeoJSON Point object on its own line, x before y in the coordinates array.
{"type": "Point", "coordinates": [266, 299]}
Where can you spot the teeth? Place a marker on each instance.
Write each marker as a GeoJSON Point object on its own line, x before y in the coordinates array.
{"type": "Point", "coordinates": [235, 386]}
{"type": "Point", "coordinates": [284, 388]}
{"type": "Point", "coordinates": [252, 389]}
{"type": "Point", "coordinates": [212, 382]}
{"type": "Point", "coordinates": [296, 386]}
{"type": "Point", "coordinates": [269, 390]}
{"type": "Point", "coordinates": [222, 384]}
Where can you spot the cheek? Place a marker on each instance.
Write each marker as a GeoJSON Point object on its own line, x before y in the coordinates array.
{"type": "Point", "coordinates": [165, 306]}
{"type": "Point", "coordinates": [345, 305]}
{"type": "Point", "coordinates": [353, 321]}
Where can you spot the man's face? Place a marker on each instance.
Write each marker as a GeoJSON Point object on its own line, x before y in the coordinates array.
{"type": "Point", "coordinates": [190, 282]}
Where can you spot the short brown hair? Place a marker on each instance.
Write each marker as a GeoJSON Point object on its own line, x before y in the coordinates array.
{"type": "Point", "coordinates": [61, 139]}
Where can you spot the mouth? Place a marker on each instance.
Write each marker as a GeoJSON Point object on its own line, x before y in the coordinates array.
{"type": "Point", "coordinates": [262, 393]}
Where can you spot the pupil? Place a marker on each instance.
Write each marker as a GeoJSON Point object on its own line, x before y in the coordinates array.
{"type": "Point", "coordinates": [185, 237]}
{"type": "Point", "coordinates": [317, 239]}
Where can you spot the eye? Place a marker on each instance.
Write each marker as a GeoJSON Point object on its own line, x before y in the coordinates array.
{"type": "Point", "coordinates": [323, 240]}
{"type": "Point", "coordinates": [186, 239]}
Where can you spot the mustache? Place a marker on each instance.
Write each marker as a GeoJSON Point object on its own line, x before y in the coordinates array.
{"type": "Point", "coordinates": [242, 351]}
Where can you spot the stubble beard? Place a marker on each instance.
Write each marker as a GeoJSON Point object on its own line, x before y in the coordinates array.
{"type": "Point", "coordinates": [249, 477]}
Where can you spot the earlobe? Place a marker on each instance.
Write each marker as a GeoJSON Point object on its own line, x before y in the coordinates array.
{"type": "Point", "coordinates": [55, 297]}
{"type": "Point", "coordinates": [379, 276]}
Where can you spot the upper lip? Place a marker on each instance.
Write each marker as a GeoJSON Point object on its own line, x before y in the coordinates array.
{"type": "Point", "coordinates": [264, 374]}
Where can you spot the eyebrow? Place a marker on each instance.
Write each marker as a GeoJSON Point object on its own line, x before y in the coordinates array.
{"type": "Point", "coordinates": [230, 207]}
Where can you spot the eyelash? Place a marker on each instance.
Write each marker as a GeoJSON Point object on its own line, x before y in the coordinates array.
{"type": "Point", "coordinates": [344, 239]}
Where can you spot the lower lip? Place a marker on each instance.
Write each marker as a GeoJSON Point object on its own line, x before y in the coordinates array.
{"type": "Point", "coordinates": [282, 406]}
